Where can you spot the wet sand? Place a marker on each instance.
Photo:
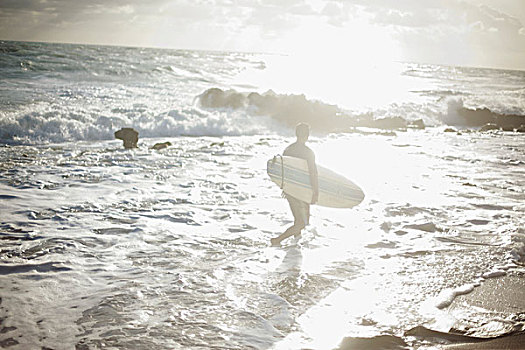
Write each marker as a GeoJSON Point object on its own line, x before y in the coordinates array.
{"type": "Point", "coordinates": [492, 316]}
{"type": "Point", "coordinates": [507, 342]}
{"type": "Point", "coordinates": [504, 296]}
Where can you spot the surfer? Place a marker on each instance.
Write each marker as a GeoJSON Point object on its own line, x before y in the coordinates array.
{"type": "Point", "coordinates": [300, 209]}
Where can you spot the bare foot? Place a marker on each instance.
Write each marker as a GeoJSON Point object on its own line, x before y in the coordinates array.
{"type": "Point", "coordinates": [275, 242]}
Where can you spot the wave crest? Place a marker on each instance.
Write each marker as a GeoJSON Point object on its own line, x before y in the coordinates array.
{"type": "Point", "coordinates": [57, 124]}
{"type": "Point", "coordinates": [460, 115]}
{"type": "Point", "coordinates": [292, 109]}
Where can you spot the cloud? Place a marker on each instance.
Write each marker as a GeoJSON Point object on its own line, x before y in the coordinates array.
{"type": "Point", "coordinates": [477, 26]}
{"type": "Point", "coordinates": [127, 22]}
{"type": "Point", "coordinates": [177, 23]}
{"type": "Point", "coordinates": [98, 9]}
{"type": "Point", "coordinates": [410, 18]}
{"type": "Point", "coordinates": [450, 31]}
{"type": "Point", "coordinates": [500, 31]}
{"type": "Point", "coordinates": [276, 18]}
{"type": "Point", "coordinates": [453, 30]}
{"type": "Point", "coordinates": [496, 16]}
{"type": "Point", "coordinates": [446, 13]}
{"type": "Point", "coordinates": [337, 13]}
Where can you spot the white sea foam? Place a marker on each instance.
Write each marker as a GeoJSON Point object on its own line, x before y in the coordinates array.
{"type": "Point", "coordinates": [447, 296]}
{"type": "Point", "coordinates": [170, 248]}
{"type": "Point", "coordinates": [494, 273]}
{"type": "Point", "coordinates": [175, 242]}
{"type": "Point", "coordinates": [74, 95]}
{"type": "Point", "coordinates": [70, 124]}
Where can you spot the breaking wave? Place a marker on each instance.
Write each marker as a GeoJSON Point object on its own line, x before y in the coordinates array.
{"type": "Point", "coordinates": [290, 109]}
{"type": "Point", "coordinates": [218, 112]}
{"type": "Point", "coordinates": [63, 92]}
{"type": "Point", "coordinates": [460, 115]}
{"type": "Point", "coordinates": [63, 125]}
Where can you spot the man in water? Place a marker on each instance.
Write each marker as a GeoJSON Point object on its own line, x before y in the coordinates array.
{"type": "Point", "coordinates": [300, 209]}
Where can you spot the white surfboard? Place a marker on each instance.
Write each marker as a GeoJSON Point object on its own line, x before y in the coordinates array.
{"type": "Point", "coordinates": [292, 176]}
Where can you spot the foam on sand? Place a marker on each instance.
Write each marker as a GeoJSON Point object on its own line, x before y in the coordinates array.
{"type": "Point", "coordinates": [447, 296]}
{"type": "Point", "coordinates": [490, 317]}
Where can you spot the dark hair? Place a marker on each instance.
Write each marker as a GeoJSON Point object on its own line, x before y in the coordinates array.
{"type": "Point", "coordinates": [302, 130]}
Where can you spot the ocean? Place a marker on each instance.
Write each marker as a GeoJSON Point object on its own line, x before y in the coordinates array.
{"type": "Point", "coordinates": [106, 247]}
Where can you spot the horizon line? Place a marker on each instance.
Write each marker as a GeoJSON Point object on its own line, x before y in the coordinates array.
{"type": "Point", "coordinates": [244, 52]}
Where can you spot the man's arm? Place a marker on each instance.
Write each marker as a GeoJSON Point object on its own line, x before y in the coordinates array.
{"type": "Point", "coordinates": [314, 181]}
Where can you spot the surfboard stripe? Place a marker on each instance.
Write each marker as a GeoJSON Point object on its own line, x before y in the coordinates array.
{"type": "Point", "coordinates": [334, 189]}
{"type": "Point", "coordinates": [302, 178]}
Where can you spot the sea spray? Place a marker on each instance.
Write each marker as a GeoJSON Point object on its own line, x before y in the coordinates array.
{"type": "Point", "coordinates": [66, 92]}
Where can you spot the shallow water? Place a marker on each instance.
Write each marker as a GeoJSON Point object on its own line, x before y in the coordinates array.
{"type": "Point", "coordinates": [102, 247]}
{"type": "Point", "coordinates": [105, 247]}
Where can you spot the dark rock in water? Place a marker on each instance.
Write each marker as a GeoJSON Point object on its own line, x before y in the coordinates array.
{"type": "Point", "coordinates": [477, 117]}
{"type": "Point", "coordinates": [322, 117]}
{"type": "Point", "coordinates": [521, 128]}
{"type": "Point", "coordinates": [507, 128]}
{"type": "Point", "coordinates": [510, 121]}
{"type": "Point", "coordinates": [483, 116]}
{"type": "Point", "coordinates": [417, 124]}
{"type": "Point", "coordinates": [489, 126]}
{"type": "Point", "coordinates": [389, 123]}
{"type": "Point", "coordinates": [8, 342]}
{"type": "Point", "coordinates": [450, 130]}
{"type": "Point", "coordinates": [7, 329]}
{"type": "Point", "coordinates": [129, 135]}
{"type": "Point", "coordinates": [288, 109]}
{"type": "Point", "coordinates": [427, 227]}
{"type": "Point", "coordinates": [217, 98]}
{"type": "Point", "coordinates": [377, 342]}
{"type": "Point", "coordinates": [161, 145]}
{"type": "Point", "coordinates": [293, 109]}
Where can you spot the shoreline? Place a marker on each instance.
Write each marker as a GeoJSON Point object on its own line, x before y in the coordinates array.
{"type": "Point", "coordinates": [492, 316]}
{"type": "Point", "coordinates": [503, 301]}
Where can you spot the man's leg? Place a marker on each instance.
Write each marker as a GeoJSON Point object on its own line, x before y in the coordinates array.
{"type": "Point", "coordinates": [294, 230]}
{"type": "Point", "coordinates": [300, 213]}
{"type": "Point", "coordinates": [304, 214]}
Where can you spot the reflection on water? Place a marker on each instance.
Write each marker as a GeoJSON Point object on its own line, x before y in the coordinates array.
{"type": "Point", "coordinates": [131, 249]}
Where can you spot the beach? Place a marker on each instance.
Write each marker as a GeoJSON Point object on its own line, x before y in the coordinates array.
{"type": "Point", "coordinates": [504, 298]}
{"type": "Point", "coordinates": [107, 247]}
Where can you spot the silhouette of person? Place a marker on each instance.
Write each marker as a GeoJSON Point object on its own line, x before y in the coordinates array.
{"type": "Point", "coordinates": [300, 209]}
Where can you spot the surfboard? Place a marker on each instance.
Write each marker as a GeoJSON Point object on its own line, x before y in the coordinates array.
{"type": "Point", "coordinates": [292, 176]}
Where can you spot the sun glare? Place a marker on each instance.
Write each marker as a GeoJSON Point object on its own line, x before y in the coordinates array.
{"type": "Point", "coordinates": [353, 66]}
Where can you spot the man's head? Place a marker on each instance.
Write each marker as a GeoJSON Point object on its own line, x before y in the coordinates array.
{"type": "Point", "coordinates": [302, 131]}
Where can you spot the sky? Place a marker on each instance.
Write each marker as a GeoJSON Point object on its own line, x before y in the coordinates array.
{"type": "Point", "coordinates": [479, 33]}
